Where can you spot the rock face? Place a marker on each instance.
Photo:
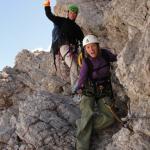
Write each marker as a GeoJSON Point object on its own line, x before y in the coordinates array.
{"type": "Point", "coordinates": [36, 112]}
{"type": "Point", "coordinates": [36, 109]}
{"type": "Point", "coordinates": [46, 121]}
{"type": "Point", "coordinates": [124, 26]}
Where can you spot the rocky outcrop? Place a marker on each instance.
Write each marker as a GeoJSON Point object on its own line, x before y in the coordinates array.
{"type": "Point", "coordinates": [37, 111]}
{"type": "Point", "coordinates": [38, 71]}
{"type": "Point", "coordinates": [124, 26]}
{"type": "Point", "coordinates": [46, 121]}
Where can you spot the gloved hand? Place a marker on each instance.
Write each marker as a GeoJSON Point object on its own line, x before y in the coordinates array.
{"type": "Point", "coordinates": [46, 3]}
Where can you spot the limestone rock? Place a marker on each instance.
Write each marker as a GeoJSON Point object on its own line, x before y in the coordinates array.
{"type": "Point", "coordinates": [36, 70]}
{"type": "Point", "coordinates": [35, 114]}
{"type": "Point", "coordinates": [47, 120]}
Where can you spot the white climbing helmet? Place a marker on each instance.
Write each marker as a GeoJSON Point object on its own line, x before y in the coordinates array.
{"type": "Point", "coordinates": [90, 39]}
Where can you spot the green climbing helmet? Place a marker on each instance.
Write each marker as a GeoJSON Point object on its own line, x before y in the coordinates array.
{"type": "Point", "coordinates": [73, 8]}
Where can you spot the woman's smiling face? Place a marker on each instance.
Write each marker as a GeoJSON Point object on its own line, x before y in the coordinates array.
{"type": "Point", "coordinates": [92, 49]}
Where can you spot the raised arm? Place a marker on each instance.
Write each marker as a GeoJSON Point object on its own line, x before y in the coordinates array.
{"type": "Point", "coordinates": [55, 19]}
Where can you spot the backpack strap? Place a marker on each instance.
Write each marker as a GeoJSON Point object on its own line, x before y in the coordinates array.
{"type": "Point", "coordinates": [90, 70]}
{"type": "Point", "coordinates": [90, 67]}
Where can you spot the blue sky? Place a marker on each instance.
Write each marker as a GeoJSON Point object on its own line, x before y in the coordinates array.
{"type": "Point", "coordinates": [23, 25]}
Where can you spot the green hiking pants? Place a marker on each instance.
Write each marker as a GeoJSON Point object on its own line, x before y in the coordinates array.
{"type": "Point", "coordinates": [87, 122]}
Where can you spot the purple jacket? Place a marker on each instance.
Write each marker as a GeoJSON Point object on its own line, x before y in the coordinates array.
{"type": "Point", "coordinates": [101, 69]}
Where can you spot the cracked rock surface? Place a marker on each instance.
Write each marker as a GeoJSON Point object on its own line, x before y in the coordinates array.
{"type": "Point", "coordinates": [36, 109]}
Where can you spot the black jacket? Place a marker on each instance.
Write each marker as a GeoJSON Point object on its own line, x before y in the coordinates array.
{"type": "Point", "coordinates": [69, 31]}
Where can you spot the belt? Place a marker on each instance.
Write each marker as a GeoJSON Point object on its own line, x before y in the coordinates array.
{"type": "Point", "coordinates": [100, 87]}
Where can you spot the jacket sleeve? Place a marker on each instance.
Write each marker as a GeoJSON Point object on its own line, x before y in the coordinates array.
{"type": "Point", "coordinates": [112, 57]}
{"type": "Point", "coordinates": [55, 19]}
{"type": "Point", "coordinates": [83, 76]}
